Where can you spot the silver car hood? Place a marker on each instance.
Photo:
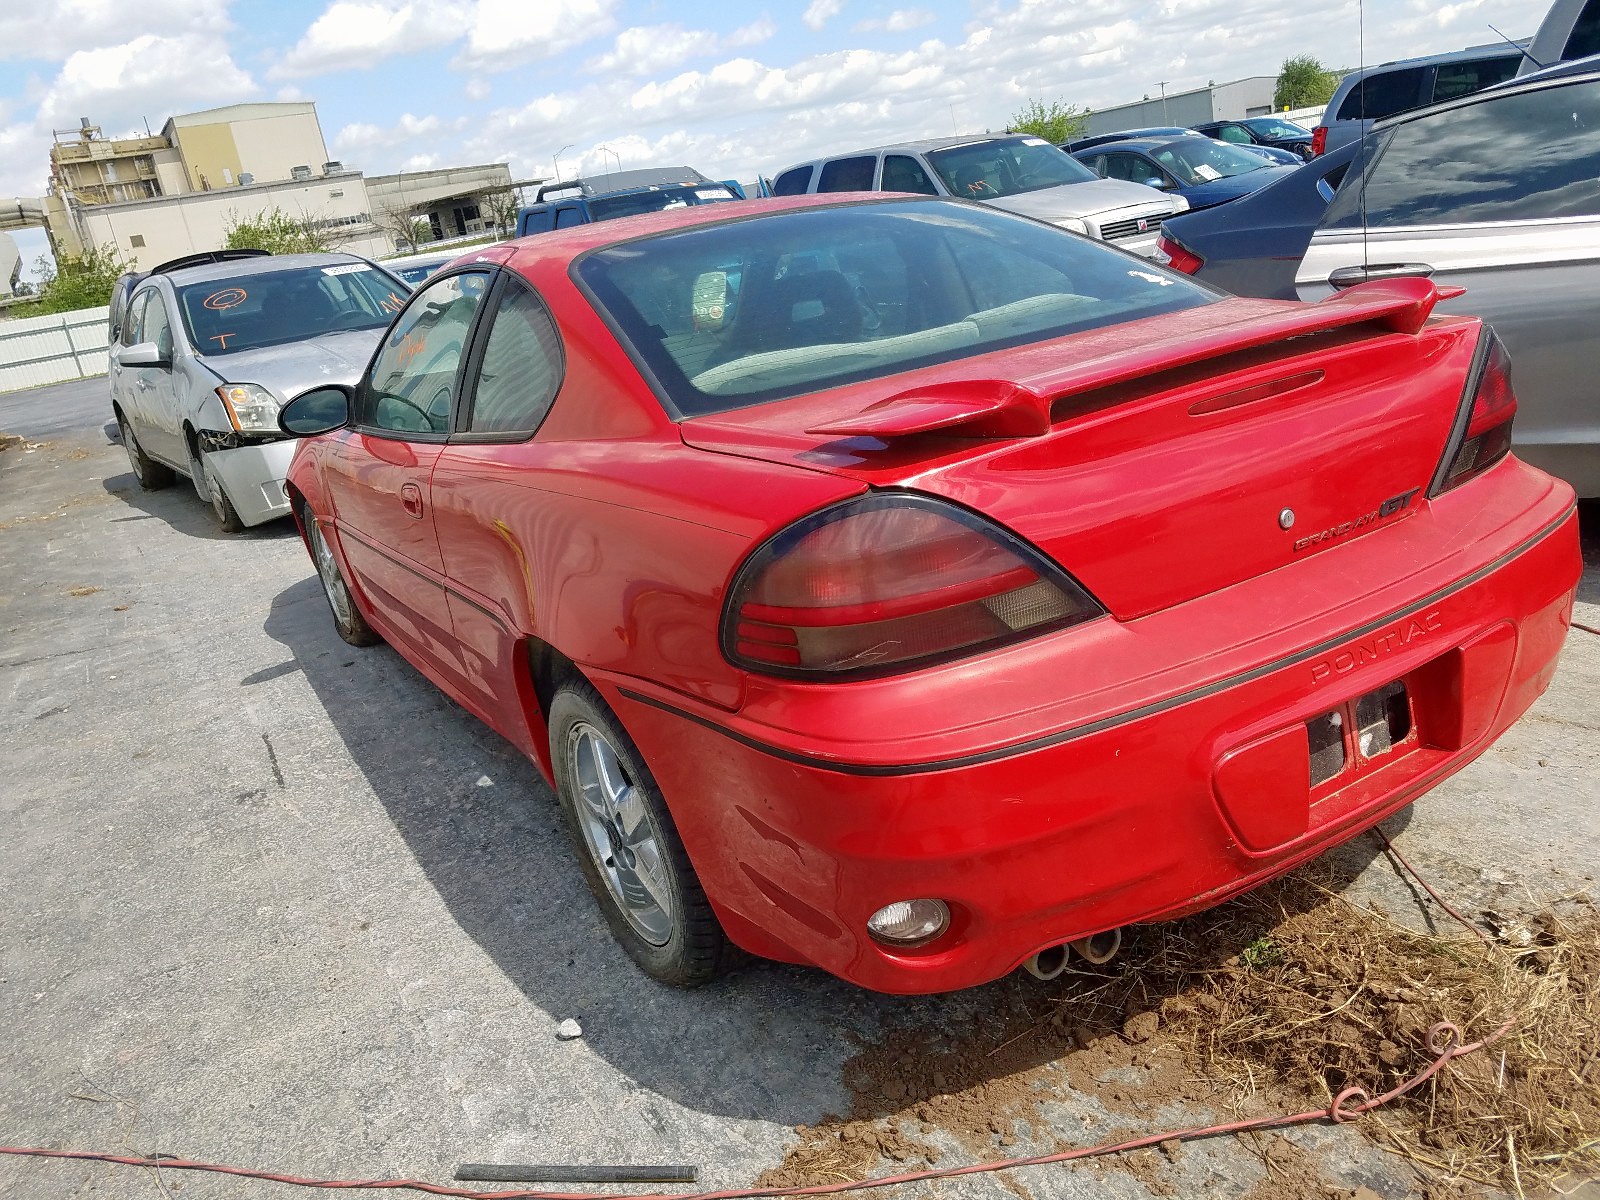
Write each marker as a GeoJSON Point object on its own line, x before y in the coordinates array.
{"type": "Point", "coordinates": [1085, 199]}
{"type": "Point", "coordinates": [296, 367]}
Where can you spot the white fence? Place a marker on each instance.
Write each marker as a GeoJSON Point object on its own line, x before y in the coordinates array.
{"type": "Point", "coordinates": [42, 350]}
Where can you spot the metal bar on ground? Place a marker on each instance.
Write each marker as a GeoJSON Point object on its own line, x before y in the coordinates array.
{"type": "Point", "coordinates": [568, 1173]}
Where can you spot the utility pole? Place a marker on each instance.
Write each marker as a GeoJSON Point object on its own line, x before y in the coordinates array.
{"type": "Point", "coordinates": [1164, 117]}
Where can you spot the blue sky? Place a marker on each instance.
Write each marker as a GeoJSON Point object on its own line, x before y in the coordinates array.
{"type": "Point", "coordinates": [730, 89]}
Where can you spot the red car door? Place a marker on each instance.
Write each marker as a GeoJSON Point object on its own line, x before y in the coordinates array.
{"type": "Point", "coordinates": [379, 472]}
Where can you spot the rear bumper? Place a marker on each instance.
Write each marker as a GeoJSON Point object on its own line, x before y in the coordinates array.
{"type": "Point", "coordinates": [1042, 813]}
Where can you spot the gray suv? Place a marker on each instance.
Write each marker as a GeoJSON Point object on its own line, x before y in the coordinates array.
{"type": "Point", "coordinates": [205, 355]}
{"type": "Point", "coordinates": [1496, 192]}
{"type": "Point", "coordinates": [1016, 172]}
{"type": "Point", "coordinates": [1373, 93]}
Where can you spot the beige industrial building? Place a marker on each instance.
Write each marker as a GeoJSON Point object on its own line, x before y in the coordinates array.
{"type": "Point", "coordinates": [159, 197]}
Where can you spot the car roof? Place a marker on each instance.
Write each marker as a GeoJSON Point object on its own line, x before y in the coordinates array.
{"type": "Point", "coordinates": [1579, 68]}
{"type": "Point", "coordinates": [1428, 60]}
{"type": "Point", "coordinates": [920, 146]}
{"type": "Point", "coordinates": [1146, 144]}
{"type": "Point", "coordinates": [238, 268]}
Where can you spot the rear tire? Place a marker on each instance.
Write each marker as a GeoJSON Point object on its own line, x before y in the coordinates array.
{"type": "Point", "coordinates": [227, 515]}
{"type": "Point", "coordinates": [152, 476]}
{"type": "Point", "coordinates": [628, 847]}
{"type": "Point", "coordinates": [347, 618]}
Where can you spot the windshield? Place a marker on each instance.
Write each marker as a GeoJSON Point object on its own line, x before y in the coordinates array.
{"type": "Point", "coordinates": [1200, 160]}
{"type": "Point", "coordinates": [224, 316]}
{"type": "Point", "coordinates": [1005, 166]}
{"type": "Point", "coordinates": [727, 316]}
{"type": "Point", "coordinates": [634, 203]}
{"type": "Point", "coordinates": [415, 273]}
{"type": "Point", "coordinates": [1274, 127]}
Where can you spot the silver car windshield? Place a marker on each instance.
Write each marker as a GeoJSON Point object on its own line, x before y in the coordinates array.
{"type": "Point", "coordinates": [998, 167]}
{"type": "Point", "coordinates": [225, 316]}
{"type": "Point", "coordinates": [731, 315]}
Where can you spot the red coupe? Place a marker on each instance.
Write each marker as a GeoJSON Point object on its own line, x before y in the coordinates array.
{"type": "Point", "coordinates": [913, 589]}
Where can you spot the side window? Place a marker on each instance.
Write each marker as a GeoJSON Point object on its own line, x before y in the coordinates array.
{"type": "Point", "coordinates": [521, 368]}
{"type": "Point", "coordinates": [1462, 79]}
{"type": "Point", "coordinates": [133, 318]}
{"type": "Point", "coordinates": [848, 174]}
{"type": "Point", "coordinates": [1238, 135]}
{"type": "Point", "coordinates": [1585, 39]}
{"type": "Point", "coordinates": [568, 217]}
{"type": "Point", "coordinates": [901, 173]}
{"type": "Point", "coordinates": [412, 386]}
{"type": "Point", "coordinates": [153, 323]}
{"type": "Point", "coordinates": [1384, 93]}
{"type": "Point", "coordinates": [793, 182]}
{"type": "Point", "coordinates": [1519, 157]}
{"type": "Point", "coordinates": [1130, 167]}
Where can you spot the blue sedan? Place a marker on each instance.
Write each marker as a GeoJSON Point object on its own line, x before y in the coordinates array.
{"type": "Point", "coordinates": [1204, 172]}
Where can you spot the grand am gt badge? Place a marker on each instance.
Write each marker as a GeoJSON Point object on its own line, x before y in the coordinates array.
{"type": "Point", "coordinates": [1389, 508]}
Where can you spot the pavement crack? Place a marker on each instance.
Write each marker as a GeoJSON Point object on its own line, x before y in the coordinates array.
{"type": "Point", "coordinates": [272, 757]}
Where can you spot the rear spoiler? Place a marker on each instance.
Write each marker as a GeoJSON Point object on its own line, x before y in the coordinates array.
{"type": "Point", "coordinates": [1001, 408]}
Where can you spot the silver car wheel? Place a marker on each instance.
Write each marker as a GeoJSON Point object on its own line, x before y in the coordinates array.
{"type": "Point", "coordinates": [621, 836]}
{"type": "Point", "coordinates": [328, 571]}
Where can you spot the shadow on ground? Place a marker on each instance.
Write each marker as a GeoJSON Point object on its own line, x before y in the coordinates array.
{"type": "Point", "coordinates": [180, 506]}
{"type": "Point", "coordinates": [765, 1043]}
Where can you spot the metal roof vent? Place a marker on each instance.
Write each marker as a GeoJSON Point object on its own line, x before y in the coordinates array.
{"type": "Point", "coordinates": [333, 168]}
{"type": "Point", "coordinates": [300, 173]}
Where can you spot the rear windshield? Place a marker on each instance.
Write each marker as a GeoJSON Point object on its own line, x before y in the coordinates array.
{"type": "Point", "coordinates": [733, 315]}
{"type": "Point", "coordinates": [635, 203]}
{"type": "Point", "coordinates": [224, 316]}
{"type": "Point", "coordinates": [1005, 167]}
{"type": "Point", "coordinates": [1276, 127]}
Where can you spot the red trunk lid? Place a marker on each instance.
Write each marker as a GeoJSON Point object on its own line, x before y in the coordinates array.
{"type": "Point", "coordinates": [1161, 459]}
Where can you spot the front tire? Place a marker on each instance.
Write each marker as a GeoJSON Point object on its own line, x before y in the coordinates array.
{"type": "Point", "coordinates": [628, 846]}
{"type": "Point", "coordinates": [152, 476]}
{"type": "Point", "coordinates": [347, 618]}
{"type": "Point", "coordinates": [227, 515]}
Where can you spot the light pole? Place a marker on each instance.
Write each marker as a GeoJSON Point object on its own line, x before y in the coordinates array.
{"type": "Point", "coordinates": [613, 153]}
{"type": "Point", "coordinates": [557, 159]}
{"type": "Point", "coordinates": [1165, 119]}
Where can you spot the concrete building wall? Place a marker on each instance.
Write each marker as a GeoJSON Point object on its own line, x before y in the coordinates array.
{"type": "Point", "coordinates": [1219, 102]}
{"type": "Point", "coordinates": [157, 230]}
{"type": "Point", "coordinates": [265, 140]}
{"type": "Point", "coordinates": [450, 200]}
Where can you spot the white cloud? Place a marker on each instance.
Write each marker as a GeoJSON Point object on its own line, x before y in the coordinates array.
{"type": "Point", "coordinates": [478, 89]}
{"type": "Point", "coordinates": [149, 78]}
{"type": "Point", "coordinates": [359, 34]}
{"type": "Point", "coordinates": [506, 34]}
{"type": "Point", "coordinates": [646, 49]}
{"type": "Point", "coordinates": [899, 21]}
{"type": "Point", "coordinates": [760, 30]}
{"type": "Point", "coordinates": [365, 138]}
{"type": "Point", "coordinates": [819, 12]}
{"type": "Point", "coordinates": [54, 31]}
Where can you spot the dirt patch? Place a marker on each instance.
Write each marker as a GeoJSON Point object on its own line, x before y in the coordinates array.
{"type": "Point", "coordinates": [82, 591]}
{"type": "Point", "coordinates": [1272, 1003]}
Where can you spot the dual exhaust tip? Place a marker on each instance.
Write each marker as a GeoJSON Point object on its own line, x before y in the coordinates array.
{"type": "Point", "coordinates": [1098, 949]}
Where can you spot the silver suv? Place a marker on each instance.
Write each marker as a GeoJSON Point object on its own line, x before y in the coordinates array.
{"type": "Point", "coordinates": [1373, 93]}
{"type": "Point", "coordinates": [1496, 192]}
{"type": "Point", "coordinates": [205, 355]}
{"type": "Point", "coordinates": [1016, 172]}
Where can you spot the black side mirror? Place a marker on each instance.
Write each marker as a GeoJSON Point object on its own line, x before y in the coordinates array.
{"type": "Point", "coordinates": [321, 410]}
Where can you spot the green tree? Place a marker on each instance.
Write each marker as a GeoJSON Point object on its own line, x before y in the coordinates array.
{"type": "Point", "coordinates": [74, 283]}
{"type": "Point", "coordinates": [276, 232]}
{"type": "Point", "coordinates": [1054, 122]}
{"type": "Point", "coordinates": [1303, 82]}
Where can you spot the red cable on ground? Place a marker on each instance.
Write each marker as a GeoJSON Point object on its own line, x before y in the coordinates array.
{"type": "Point", "coordinates": [1437, 899]}
{"type": "Point", "coordinates": [1444, 1041]}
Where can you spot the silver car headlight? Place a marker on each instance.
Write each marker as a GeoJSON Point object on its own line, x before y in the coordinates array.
{"type": "Point", "coordinates": [1073, 225]}
{"type": "Point", "coordinates": [250, 407]}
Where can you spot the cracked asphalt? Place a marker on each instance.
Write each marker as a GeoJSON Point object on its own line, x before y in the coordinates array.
{"type": "Point", "coordinates": [275, 901]}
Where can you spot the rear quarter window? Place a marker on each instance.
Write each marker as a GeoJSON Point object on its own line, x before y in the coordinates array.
{"type": "Point", "coordinates": [793, 182]}
{"type": "Point", "coordinates": [848, 174]}
{"type": "Point", "coordinates": [1383, 93]}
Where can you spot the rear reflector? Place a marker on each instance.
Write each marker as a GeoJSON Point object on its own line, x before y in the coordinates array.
{"type": "Point", "coordinates": [1176, 256]}
{"type": "Point", "coordinates": [888, 582]}
{"type": "Point", "coordinates": [1482, 433]}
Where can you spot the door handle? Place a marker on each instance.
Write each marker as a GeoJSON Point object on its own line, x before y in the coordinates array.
{"type": "Point", "coordinates": [1350, 276]}
{"type": "Point", "coordinates": [411, 499]}
{"type": "Point", "coordinates": [143, 385]}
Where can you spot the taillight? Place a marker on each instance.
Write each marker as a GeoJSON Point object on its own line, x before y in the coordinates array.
{"type": "Point", "coordinates": [1177, 256]}
{"type": "Point", "coordinates": [887, 582]}
{"type": "Point", "coordinates": [1319, 140]}
{"type": "Point", "coordinates": [1481, 436]}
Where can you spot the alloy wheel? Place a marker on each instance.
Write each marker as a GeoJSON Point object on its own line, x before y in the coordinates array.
{"type": "Point", "coordinates": [328, 571]}
{"type": "Point", "coordinates": [621, 835]}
